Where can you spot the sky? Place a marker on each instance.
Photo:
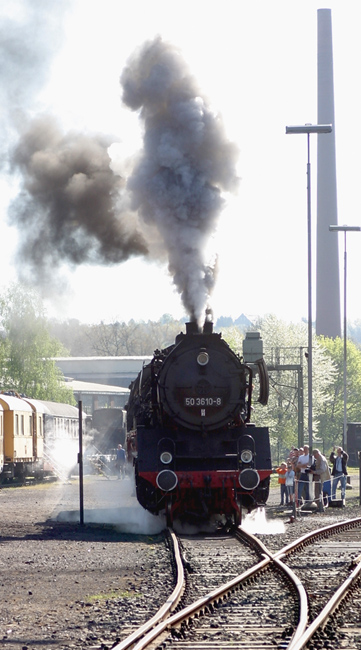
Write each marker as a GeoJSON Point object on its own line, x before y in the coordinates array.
{"type": "Point", "coordinates": [254, 65]}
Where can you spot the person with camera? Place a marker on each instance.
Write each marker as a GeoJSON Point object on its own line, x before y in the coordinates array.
{"type": "Point", "coordinates": [339, 470]}
{"type": "Point", "coordinates": [304, 477]}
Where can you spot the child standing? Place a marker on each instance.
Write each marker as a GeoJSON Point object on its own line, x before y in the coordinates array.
{"type": "Point", "coordinates": [281, 471]}
{"type": "Point", "coordinates": [290, 482]}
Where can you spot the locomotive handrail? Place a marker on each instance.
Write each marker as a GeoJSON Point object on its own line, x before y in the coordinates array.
{"type": "Point", "coordinates": [264, 382]}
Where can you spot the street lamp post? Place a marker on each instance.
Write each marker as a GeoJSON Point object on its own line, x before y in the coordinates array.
{"type": "Point", "coordinates": [344, 229]}
{"type": "Point", "coordinates": [308, 129]}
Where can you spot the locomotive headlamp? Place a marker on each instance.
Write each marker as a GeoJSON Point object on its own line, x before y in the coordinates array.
{"type": "Point", "coordinates": [203, 358]}
{"type": "Point", "coordinates": [249, 479]}
{"type": "Point", "coordinates": [167, 480]}
{"type": "Point", "coordinates": [246, 456]}
{"type": "Point", "coordinates": [166, 457]}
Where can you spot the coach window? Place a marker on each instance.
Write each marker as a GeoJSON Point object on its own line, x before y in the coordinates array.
{"type": "Point", "coordinates": [22, 426]}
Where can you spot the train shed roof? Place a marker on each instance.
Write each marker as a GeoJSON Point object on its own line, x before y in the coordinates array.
{"type": "Point", "coordinates": [91, 388]}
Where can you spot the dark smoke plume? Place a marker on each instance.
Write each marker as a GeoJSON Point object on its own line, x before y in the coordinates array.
{"type": "Point", "coordinates": [73, 208]}
{"type": "Point", "coordinates": [70, 203]}
{"type": "Point", "coordinates": [185, 164]}
{"type": "Point", "coordinates": [70, 207]}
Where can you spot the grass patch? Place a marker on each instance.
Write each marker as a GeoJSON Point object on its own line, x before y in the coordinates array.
{"type": "Point", "coordinates": [111, 595]}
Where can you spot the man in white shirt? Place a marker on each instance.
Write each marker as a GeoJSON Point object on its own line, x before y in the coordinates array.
{"type": "Point", "coordinates": [303, 481]}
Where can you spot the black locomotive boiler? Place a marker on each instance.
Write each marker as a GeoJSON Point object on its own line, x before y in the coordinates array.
{"type": "Point", "coordinates": [189, 435]}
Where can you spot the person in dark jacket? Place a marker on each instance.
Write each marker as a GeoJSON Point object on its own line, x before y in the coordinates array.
{"type": "Point", "coordinates": [339, 470]}
{"type": "Point", "coordinates": [120, 464]}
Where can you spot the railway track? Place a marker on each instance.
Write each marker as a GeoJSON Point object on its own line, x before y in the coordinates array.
{"type": "Point", "coordinates": [244, 596]}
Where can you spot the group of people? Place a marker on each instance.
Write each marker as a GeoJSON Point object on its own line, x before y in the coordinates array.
{"type": "Point", "coordinates": [294, 477]}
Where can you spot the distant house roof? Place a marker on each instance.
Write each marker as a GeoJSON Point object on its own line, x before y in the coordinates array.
{"type": "Point", "coordinates": [125, 361]}
{"type": "Point", "coordinates": [114, 371]}
{"type": "Point", "coordinates": [245, 321]}
{"type": "Point", "coordinates": [90, 388]}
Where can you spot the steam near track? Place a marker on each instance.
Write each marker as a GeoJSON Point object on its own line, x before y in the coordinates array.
{"type": "Point", "coordinates": [73, 206]}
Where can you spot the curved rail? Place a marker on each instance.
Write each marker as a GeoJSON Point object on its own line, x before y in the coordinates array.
{"type": "Point", "coordinates": [162, 621]}
{"type": "Point", "coordinates": [331, 606]}
{"type": "Point", "coordinates": [200, 605]}
{"type": "Point", "coordinates": [303, 633]}
{"type": "Point", "coordinates": [309, 537]}
{"type": "Point", "coordinates": [300, 640]}
{"type": "Point", "coordinates": [218, 594]}
{"type": "Point", "coordinates": [168, 606]}
{"type": "Point", "coordinates": [292, 578]}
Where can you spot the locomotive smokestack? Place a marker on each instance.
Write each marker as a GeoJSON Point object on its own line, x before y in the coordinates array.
{"type": "Point", "coordinates": [208, 322]}
{"type": "Point", "coordinates": [208, 327]}
{"type": "Point", "coordinates": [192, 327]}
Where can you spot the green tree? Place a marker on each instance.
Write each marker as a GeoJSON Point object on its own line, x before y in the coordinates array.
{"type": "Point", "coordinates": [234, 338]}
{"type": "Point", "coordinates": [27, 348]}
{"type": "Point", "coordinates": [74, 336]}
{"type": "Point", "coordinates": [331, 416]}
{"type": "Point", "coordinates": [285, 345]}
{"type": "Point", "coordinates": [133, 339]}
{"type": "Point", "coordinates": [354, 331]}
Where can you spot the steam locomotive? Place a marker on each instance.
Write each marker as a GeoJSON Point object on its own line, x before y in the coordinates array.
{"type": "Point", "coordinates": [189, 436]}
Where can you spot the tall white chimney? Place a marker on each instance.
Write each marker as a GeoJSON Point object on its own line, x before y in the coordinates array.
{"type": "Point", "coordinates": [328, 314]}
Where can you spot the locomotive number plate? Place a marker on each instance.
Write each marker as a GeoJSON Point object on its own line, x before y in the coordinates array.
{"type": "Point", "coordinates": [203, 401]}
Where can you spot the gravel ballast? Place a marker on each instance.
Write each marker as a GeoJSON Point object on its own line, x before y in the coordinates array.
{"type": "Point", "coordinates": [66, 585]}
